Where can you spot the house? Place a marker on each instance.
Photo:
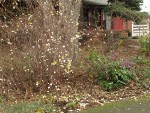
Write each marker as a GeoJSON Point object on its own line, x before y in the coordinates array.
{"type": "Point", "coordinates": [93, 16]}
{"type": "Point", "coordinates": [121, 27]}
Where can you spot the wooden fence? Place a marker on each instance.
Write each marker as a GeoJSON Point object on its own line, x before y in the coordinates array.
{"type": "Point", "coordinates": [140, 30]}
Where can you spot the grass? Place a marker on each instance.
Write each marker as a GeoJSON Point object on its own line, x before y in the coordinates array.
{"type": "Point", "coordinates": [138, 105]}
{"type": "Point", "coordinates": [27, 107]}
{"type": "Point", "coordinates": [141, 105]}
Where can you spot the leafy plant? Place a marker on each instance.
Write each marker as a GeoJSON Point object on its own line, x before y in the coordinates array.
{"type": "Point", "coordinates": [141, 60]}
{"type": "Point", "coordinates": [145, 43]}
{"type": "Point", "coordinates": [143, 71]}
{"type": "Point", "coordinates": [143, 76]}
{"type": "Point", "coordinates": [71, 104]}
{"type": "Point", "coordinates": [109, 74]}
{"type": "Point", "coordinates": [2, 98]}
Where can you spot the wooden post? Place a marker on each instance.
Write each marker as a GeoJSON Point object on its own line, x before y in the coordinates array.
{"type": "Point", "coordinates": [102, 26]}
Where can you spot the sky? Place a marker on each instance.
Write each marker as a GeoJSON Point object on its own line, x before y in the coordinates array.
{"type": "Point", "coordinates": [146, 6]}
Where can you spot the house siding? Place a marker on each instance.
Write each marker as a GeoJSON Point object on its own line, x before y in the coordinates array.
{"type": "Point", "coordinates": [96, 2]}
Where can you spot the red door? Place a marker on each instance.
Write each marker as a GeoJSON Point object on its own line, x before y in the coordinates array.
{"type": "Point", "coordinates": [118, 24]}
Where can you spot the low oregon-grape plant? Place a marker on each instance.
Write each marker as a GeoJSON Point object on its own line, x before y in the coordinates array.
{"type": "Point", "coordinates": [109, 74]}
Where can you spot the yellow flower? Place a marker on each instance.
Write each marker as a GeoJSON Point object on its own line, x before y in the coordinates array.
{"type": "Point", "coordinates": [120, 42]}
{"type": "Point", "coordinates": [68, 66]}
{"type": "Point", "coordinates": [37, 83]}
{"type": "Point", "coordinates": [39, 111]}
{"type": "Point", "coordinates": [63, 57]}
{"type": "Point", "coordinates": [54, 63]}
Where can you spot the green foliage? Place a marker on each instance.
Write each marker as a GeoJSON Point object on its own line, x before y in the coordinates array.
{"type": "Point", "coordinates": [145, 78]}
{"type": "Point", "coordinates": [133, 4]}
{"type": "Point", "coordinates": [2, 98]}
{"type": "Point", "coordinates": [141, 60]}
{"type": "Point", "coordinates": [144, 43]}
{"type": "Point", "coordinates": [71, 104]}
{"type": "Point", "coordinates": [109, 74]}
{"type": "Point", "coordinates": [143, 71]}
{"type": "Point", "coordinates": [122, 9]}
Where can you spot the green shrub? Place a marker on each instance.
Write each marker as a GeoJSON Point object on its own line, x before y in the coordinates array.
{"type": "Point", "coordinates": [109, 74]}
{"type": "Point", "coordinates": [145, 43]}
{"type": "Point", "coordinates": [143, 76]}
{"type": "Point", "coordinates": [141, 60]}
{"type": "Point", "coordinates": [143, 71]}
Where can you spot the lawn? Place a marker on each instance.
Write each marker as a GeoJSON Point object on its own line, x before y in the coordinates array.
{"type": "Point", "coordinates": [139, 105]}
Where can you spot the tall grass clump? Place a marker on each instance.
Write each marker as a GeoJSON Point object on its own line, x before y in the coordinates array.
{"type": "Point", "coordinates": [145, 43]}
{"type": "Point", "coordinates": [143, 71]}
{"type": "Point", "coordinates": [108, 74]}
{"type": "Point", "coordinates": [38, 46]}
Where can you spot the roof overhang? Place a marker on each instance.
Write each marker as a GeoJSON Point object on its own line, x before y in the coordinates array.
{"type": "Point", "coordinates": [95, 2]}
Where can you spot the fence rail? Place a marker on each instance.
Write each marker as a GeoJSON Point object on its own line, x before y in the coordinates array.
{"type": "Point", "coordinates": [140, 30]}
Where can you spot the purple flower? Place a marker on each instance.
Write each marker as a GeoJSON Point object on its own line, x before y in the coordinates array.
{"type": "Point", "coordinates": [126, 63]}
